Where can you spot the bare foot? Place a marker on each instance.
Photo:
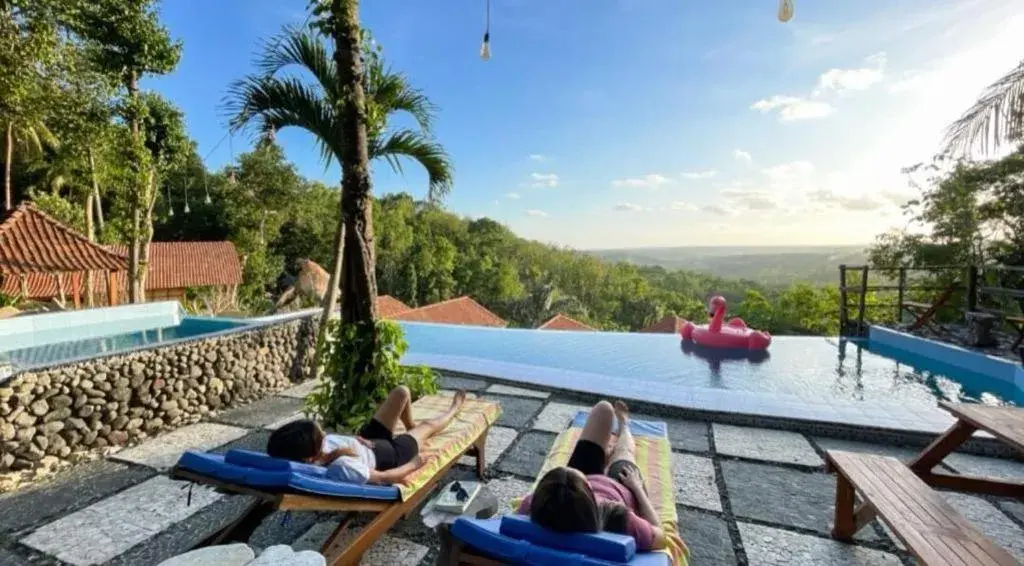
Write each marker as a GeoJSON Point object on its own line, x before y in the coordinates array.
{"type": "Point", "coordinates": [459, 398]}
{"type": "Point", "coordinates": [621, 411]}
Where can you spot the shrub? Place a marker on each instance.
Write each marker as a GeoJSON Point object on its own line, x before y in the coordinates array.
{"type": "Point", "coordinates": [343, 399]}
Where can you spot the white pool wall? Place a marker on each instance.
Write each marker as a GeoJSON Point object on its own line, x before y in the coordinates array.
{"type": "Point", "coordinates": [51, 328]}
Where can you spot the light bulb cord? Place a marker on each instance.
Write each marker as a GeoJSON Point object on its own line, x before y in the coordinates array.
{"type": "Point", "coordinates": [487, 23]}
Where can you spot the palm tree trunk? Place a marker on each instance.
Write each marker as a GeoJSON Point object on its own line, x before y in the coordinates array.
{"type": "Point", "coordinates": [134, 273]}
{"type": "Point", "coordinates": [358, 277]}
{"type": "Point", "coordinates": [146, 236]}
{"type": "Point", "coordinates": [8, 156]}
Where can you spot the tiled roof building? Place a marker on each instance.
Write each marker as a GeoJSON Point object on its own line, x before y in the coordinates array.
{"type": "Point", "coordinates": [461, 310]}
{"type": "Point", "coordinates": [671, 324]}
{"type": "Point", "coordinates": [562, 322]}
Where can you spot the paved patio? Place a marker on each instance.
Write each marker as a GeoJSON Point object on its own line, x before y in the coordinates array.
{"type": "Point", "coordinates": [744, 495]}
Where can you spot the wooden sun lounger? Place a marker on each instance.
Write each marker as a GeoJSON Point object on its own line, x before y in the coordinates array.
{"type": "Point", "coordinates": [923, 313]}
{"type": "Point", "coordinates": [929, 527]}
{"type": "Point", "coordinates": [337, 550]}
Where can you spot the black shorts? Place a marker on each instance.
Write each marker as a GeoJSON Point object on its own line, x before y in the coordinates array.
{"type": "Point", "coordinates": [389, 450]}
{"type": "Point", "coordinates": [589, 457]}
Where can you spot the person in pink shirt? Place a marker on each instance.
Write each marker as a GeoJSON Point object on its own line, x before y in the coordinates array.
{"type": "Point", "coordinates": [601, 488]}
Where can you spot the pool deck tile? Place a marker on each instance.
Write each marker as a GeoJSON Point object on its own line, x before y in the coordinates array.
{"type": "Point", "coordinates": [766, 546]}
{"type": "Point", "coordinates": [990, 521]}
{"type": "Point", "coordinates": [902, 453]}
{"type": "Point", "coordinates": [261, 413]}
{"type": "Point", "coordinates": [555, 417]}
{"type": "Point", "coordinates": [764, 444]}
{"type": "Point", "coordinates": [112, 526]}
{"type": "Point", "coordinates": [694, 479]}
{"type": "Point", "coordinates": [516, 412]}
{"type": "Point", "coordinates": [507, 490]}
{"type": "Point", "coordinates": [981, 466]}
{"type": "Point", "coordinates": [455, 382]}
{"type": "Point", "coordinates": [499, 438]}
{"type": "Point", "coordinates": [163, 451]}
{"type": "Point", "coordinates": [684, 435]}
{"type": "Point", "coordinates": [301, 390]}
{"type": "Point", "coordinates": [520, 391]}
{"type": "Point", "coordinates": [527, 454]}
{"type": "Point", "coordinates": [707, 536]}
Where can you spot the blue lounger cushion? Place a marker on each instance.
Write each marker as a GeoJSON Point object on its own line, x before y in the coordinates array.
{"type": "Point", "coordinates": [606, 546]}
{"type": "Point", "coordinates": [636, 426]}
{"type": "Point", "coordinates": [485, 535]}
{"type": "Point", "coordinates": [257, 470]}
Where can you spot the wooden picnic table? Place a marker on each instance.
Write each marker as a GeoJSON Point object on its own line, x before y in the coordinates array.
{"type": "Point", "coordinates": [1004, 423]}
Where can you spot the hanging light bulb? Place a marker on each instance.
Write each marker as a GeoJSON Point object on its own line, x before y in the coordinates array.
{"type": "Point", "coordinates": [231, 177]}
{"type": "Point", "coordinates": [485, 47]}
{"type": "Point", "coordinates": [785, 10]}
{"type": "Point", "coordinates": [187, 209]}
{"type": "Point", "coordinates": [206, 185]}
{"type": "Point", "coordinates": [170, 205]}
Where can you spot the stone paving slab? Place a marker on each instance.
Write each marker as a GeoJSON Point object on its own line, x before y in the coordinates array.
{"type": "Point", "coordinates": [390, 550]}
{"type": "Point", "coordinates": [261, 413]}
{"type": "Point", "coordinates": [282, 527]}
{"type": "Point", "coordinates": [66, 493]}
{"type": "Point", "coordinates": [516, 412]}
{"type": "Point", "coordinates": [694, 479]}
{"type": "Point", "coordinates": [110, 527]}
{"type": "Point", "coordinates": [765, 444]}
{"type": "Point", "coordinates": [499, 438]}
{"type": "Point", "coordinates": [315, 537]}
{"type": "Point", "coordinates": [520, 391]}
{"type": "Point", "coordinates": [708, 538]}
{"type": "Point", "coordinates": [981, 466]}
{"type": "Point", "coordinates": [766, 546]}
{"type": "Point", "coordinates": [163, 451]}
{"type": "Point", "coordinates": [185, 535]}
{"type": "Point", "coordinates": [454, 382]}
{"type": "Point", "coordinates": [989, 520]}
{"type": "Point", "coordinates": [285, 420]}
{"type": "Point", "coordinates": [256, 440]}
{"type": "Point", "coordinates": [902, 453]}
{"type": "Point", "coordinates": [300, 391]}
{"type": "Point", "coordinates": [684, 435]}
{"type": "Point", "coordinates": [556, 416]}
{"type": "Point", "coordinates": [526, 456]}
{"type": "Point", "coordinates": [1014, 508]}
{"type": "Point", "coordinates": [507, 490]}
{"type": "Point", "coordinates": [783, 496]}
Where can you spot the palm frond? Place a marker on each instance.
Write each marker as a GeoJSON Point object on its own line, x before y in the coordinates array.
{"type": "Point", "coordinates": [408, 144]}
{"type": "Point", "coordinates": [997, 116]}
{"type": "Point", "coordinates": [391, 92]}
{"type": "Point", "coordinates": [277, 103]}
{"type": "Point", "coordinates": [300, 48]}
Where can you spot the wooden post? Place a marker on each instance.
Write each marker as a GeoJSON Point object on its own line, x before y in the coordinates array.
{"type": "Point", "coordinates": [863, 299]}
{"type": "Point", "coordinates": [900, 297]}
{"type": "Point", "coordinates": [112, 288]}
{"type": "Point", "coordinates": [843, 317]}
{"type": "Point", "coordinates": [60, 288]}
{"type": "Point", "coordinates": [76, 289]}
{"type": "Point", "coordinates": [972, 288]}
{"type": "Point", "coordinates": [24, 286]}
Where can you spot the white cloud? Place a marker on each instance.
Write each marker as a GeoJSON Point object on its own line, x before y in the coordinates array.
{"type": "Point", "coordinates": [862, 78]}
{"type": "Point", "coordinates": [741, 155]}
{"type": "Point", "coordinates": [653, 181]}
{"type": "Point", "coordinates": [788, 172]}
{"type": "Point", "coordinates": [496, 202]}
{"type": "Point", "coordinates": [628, 207]}
{"type": "Point", "coordinates": [699, 174]}
{"type": "Point", "coordinates": [544, 180]}
{"type": "Point", "coordinates": [513, 196]}
{"type": "Point", "coordinates": [792, 108]}
{"type": "Point", "coordinates": [536, 213]}
{"type": "Point", "coordinates": [716, 209]}
{"type": "Point", "coordinates": [751, 199]}
{"type": "Point", "coordinates": [538, 157]}
{"type": "Point", "coordinates": [857, 203]}
{"type": "Point", "coordinates": [683, 205]}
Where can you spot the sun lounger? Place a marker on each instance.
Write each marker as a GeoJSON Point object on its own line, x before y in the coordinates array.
{"type": "Point", "coordinates": [280, 484]}
{"type": "Point", "coordinates": [513, 539]}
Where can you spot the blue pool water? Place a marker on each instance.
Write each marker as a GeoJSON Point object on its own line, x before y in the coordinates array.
{"type": "Point", "coordinates": [813, 368]}
{"type": "Point", "coordinates": [47, 354]}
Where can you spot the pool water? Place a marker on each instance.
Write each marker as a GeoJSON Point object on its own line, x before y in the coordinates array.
{"type": "Point", "coordinates": [56, 351]}
{"type": "Point", "coordinates": [813, 368]}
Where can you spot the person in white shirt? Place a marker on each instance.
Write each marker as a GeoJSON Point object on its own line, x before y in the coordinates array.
{"type": "Point", "coordinates": [376, 455]}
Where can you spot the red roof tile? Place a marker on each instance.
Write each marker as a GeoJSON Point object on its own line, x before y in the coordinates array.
{"type": "Point", "coordinates": [388, 306]}
{"type": "Point", "coordinates": [562, 322]}
{"type": "Point", "coordinates": [44, 285]}
{"type": "Point", "coordinates": [461, 310]}
{"type": "Point", "coordinates": [176, 265]}
{"type": "Point", "coordinates": [33, 242]}
{"type": "Point", "coordinates": [669, 325]}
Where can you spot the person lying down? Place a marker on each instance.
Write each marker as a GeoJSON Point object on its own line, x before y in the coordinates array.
{"type": "Point", "coordinates": [376, 455]}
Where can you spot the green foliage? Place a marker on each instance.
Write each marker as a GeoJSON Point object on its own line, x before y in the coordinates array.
{"type": "Point", "coordinates": [10, 300]}
{"type": "Point", "coordinates": [347, 399]}
{"type": "Point", "coordinates": [61, 209]}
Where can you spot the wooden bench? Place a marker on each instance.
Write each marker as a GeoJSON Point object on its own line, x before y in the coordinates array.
{"type": "Point", "coordinates": [929, 527]}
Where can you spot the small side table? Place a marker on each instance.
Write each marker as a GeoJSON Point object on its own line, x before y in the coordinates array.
{"type": "Point", "coordinates": [484, 506]}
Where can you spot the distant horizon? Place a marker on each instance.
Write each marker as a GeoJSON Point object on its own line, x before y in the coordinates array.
{"type": "Point", "coordinates": [719, 246]}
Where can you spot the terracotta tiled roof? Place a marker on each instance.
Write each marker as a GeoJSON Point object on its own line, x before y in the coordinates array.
{"type": "Point", "coordinates": [44, 285]}
{"type": "Point", "coordinates": [669, 325]}
{"type": "Point", "coordinates": [33, 242]}
{"type": "Point", "coordinates": [388, 306]}
{"type": "Point", "coordinates": [462, 310]}
{"type": "Point", "coordinates": [176, 265]}
{"type": "Point", "coordinates": [562, 322]}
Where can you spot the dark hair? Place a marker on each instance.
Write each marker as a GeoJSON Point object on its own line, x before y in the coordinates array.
{"type": "Point", "coordinates": [295, 441]}
{"type": "Point", "coordinates": [564, 502]}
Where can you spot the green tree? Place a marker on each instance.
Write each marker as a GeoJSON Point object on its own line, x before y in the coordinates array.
{"type": "Point", "coordinates": [347, 111]}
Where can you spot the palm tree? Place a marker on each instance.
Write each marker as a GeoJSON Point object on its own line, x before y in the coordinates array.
{"type": "Point", "coordinates": [997, 117]}
{"type": "Point", "coordinates": [30, 136]}
{"type": "Point", "coordinates": [277, 99]}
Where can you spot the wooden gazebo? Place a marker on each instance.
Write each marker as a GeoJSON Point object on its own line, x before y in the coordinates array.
{"type": "Point", "coordinates": [42, 258]}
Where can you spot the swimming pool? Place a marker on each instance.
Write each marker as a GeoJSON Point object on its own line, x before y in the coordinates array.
{"type": "Point", "coordinates": [811, 368]}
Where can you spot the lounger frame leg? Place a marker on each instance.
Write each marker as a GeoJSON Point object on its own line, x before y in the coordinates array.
{"type": "Point", "coordinates": [241, 528]}
{"type": "Point", "coordinates": [941, 447]}
{"type": "Point", "coordinates": [845, 520]}
{"type": "Point", "coordinates": [480, 447]}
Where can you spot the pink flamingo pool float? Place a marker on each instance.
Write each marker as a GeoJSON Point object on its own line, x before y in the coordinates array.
{"type": "Point", "coordinates": [721, 334]}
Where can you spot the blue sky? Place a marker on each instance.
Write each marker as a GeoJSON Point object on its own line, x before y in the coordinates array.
{"type": "Point", "coordinates": [615, 123]}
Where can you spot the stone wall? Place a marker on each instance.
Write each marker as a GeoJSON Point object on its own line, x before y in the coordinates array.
{"type": "Point", "coordinates": [123, 398]}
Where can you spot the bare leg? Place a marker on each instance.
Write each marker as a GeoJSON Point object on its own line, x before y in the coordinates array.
{"type": "Point", "coordinates": [396, 408]}
{"type": "Point", "coordinates": [598, 428]}
{"type": "Point", "coordinates": [424, 430]}
{"type": "Point", "coordinates": [625, 448]}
